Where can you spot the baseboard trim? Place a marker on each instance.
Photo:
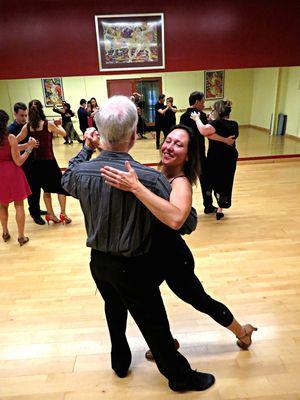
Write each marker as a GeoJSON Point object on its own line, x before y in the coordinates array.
{"type": "Point", "coordinates": [259, 128]}
{"type": "Point", "coordinates": [292, 137]}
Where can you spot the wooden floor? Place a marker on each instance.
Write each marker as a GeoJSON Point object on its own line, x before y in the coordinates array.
{"type": "Point", "coordinates": [54, 343]}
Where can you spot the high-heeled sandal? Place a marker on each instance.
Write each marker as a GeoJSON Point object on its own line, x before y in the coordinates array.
{"type": "Point", "coordinates": [23, 240]}
{"type": "Point", "coordinates": [65, 219]}
{"type": "Point", "coordinates": [6, 236]}
{"type": "Point", "coordinates": [54, 219]}
{"type": "Point", "coordinates": [149, 355]}
{"type": "Point", "coordinates": [248, 329]}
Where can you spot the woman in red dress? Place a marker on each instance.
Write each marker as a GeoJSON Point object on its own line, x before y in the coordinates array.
{"type": "Point", "coordinates": [13, 184]}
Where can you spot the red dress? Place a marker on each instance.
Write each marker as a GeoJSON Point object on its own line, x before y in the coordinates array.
{"type": "Point", "coordinates": [13, 183]}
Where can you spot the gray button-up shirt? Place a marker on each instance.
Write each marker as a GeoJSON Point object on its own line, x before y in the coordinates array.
{"type": "Point", "coordinates": [116, 221]}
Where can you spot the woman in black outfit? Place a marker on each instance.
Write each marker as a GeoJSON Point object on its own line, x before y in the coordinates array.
{"type": "Point", "coordinates": [221, 158]}
{"type": "Point", "coordinates": [180, 163]}
{"type": "Point", "coordinates": [66, 115]}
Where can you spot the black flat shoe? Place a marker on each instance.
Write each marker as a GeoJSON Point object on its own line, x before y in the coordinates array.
{"type": "Point", "coordinates": [219, 215]}
{"type": "Point", "coordinates": [197, 381]}
{"type": "Point", "coordinates": [210, 210]}
{"type": "Point", "coordinates": [39, 221]}
{"type": "Point", "coordinates": [121, 360]}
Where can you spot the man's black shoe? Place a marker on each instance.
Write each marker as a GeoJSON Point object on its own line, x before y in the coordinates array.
{"type": "Point", "coordinates": [121, 360]}
{"type": "Point", "coordinates": [197, 381]}
{"type": "Point", "coordinates": [121, 373]}
{"type": "Point", "coordinates": [39, 221]}
{"type": "Point", "coordinates": [210, 210]}
{"type": "Point", "coordinates": [42, 212]}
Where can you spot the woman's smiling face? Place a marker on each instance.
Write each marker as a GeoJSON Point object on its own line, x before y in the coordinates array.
{"type": "Point", "coordinates": [175, 148]}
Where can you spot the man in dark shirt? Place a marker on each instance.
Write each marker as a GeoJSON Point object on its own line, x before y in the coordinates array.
{"type": "Point", "coordinates": [20, 114]}
{"type": "Point", "coordinates": [119, 232]}
{"type": "Point", "coordinates": [83, 116]}
{"type": "Point", "coordinates": [170, 116]}
{"type": "Point", "coordinates": [196, 101]}
{"type": "Point", "coordinates": [160, 109]}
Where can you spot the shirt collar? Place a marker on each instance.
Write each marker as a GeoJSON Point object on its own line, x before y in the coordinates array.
{"type": "Point", "coordinates": [118, 155]}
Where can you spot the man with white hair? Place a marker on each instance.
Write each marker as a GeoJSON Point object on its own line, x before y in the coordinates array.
{"type": "Point", "coordinates": [119, 232]}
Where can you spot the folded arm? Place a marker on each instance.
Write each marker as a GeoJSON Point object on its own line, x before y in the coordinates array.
{"type": "Point", "coordinates": [18, 158]}
{"type": "Point", "coordinates": [209, 131]}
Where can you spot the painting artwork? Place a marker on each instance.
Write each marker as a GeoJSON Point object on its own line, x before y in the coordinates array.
{"type": "Point", "coordinates": [214, 84]}
{"type": "Point", "coordinates": [134, 41]}
{"type": "Point", "coordinates": [53, 91]}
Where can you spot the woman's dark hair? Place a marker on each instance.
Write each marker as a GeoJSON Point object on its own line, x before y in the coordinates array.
{"type": "Point", "coordinates": [222, 108]}
{"type": "Point", "coordinates": [35, 114]}
{"type": "Point", "coordinates": [3, 125]}
{"type": "Point", "coordinates": [67, 105]}
{"type": "Point", "coordinates": [191, 167]}
{"type": "Point", "coordinates": [93, 98]}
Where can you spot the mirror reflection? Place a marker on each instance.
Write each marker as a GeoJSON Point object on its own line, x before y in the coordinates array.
{"type": "Point", "coordinates": [265, 104]}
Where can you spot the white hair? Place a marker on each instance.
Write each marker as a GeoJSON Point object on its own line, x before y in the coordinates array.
{"type": "Point", "coordinates": [117, 120]}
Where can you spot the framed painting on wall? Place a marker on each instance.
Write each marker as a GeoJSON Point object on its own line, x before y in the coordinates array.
{"type": "Point", "coordinates": [130, 41]}
{"type": "Point", "coordinates": [214, 84]}
{"type": "Point", "coordinates": [52, 91]}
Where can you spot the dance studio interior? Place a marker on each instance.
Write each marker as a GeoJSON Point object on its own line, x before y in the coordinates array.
{"type": "Point", "coordinates": [54, 339]}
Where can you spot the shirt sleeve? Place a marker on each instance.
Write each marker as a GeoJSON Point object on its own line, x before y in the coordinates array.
{"type": "Point", "coordinates": [56, 110]}
{"type": "Point", "coordinates": [163, 187]}
{"type": "Point", "coordinates": [203, 118]}
{"type": "Point", "coordinates": [70, 177]}
{"type": "Point", "coordinates": [236, 129]}
{"type": "Point", "coordinates": [10, 129]}
{"type": "Point", "coordinates": [190, 224]}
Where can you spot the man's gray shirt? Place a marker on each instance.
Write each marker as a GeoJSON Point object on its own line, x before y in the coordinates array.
{"type": "Point", "coordinates": [116, 221]}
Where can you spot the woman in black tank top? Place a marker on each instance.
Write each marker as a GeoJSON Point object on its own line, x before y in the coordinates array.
{"type": "Point", "coordinates": [180, 164]}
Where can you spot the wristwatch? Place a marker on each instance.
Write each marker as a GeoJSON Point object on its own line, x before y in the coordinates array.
{"type": "Point", "coordinates": [28, 150]}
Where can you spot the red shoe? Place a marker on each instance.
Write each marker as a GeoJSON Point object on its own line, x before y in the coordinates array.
{"type": "Point", "coordinates": [65, 219]}
{"type": "Point", "coordinates": [54, 219]}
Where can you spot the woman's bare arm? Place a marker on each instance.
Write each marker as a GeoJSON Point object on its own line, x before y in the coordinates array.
{"type": "Point", "coordinates": [56, 128]}
{"type": "Point", "coordinates": [172, 213]}
{"type": "Point", "coordinates": [209, 130]}
{"type": "Point", "coordinates": [15, 152]}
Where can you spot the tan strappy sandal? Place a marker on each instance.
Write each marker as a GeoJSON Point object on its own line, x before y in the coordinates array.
{"type": "Point", "coordinates": [23, 240]}
{"type": "Point", "coordinates": [244, 345]}
{"type": "Point", "coordinates": [6, 236]}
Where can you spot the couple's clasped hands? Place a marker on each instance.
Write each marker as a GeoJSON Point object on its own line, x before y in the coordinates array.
{"type": "Point", "coordinates": [127, 181]}
{"type": "Point", "coordinates": [32, 143]}
{"type": "Point", "coordinates": [92, 138]}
